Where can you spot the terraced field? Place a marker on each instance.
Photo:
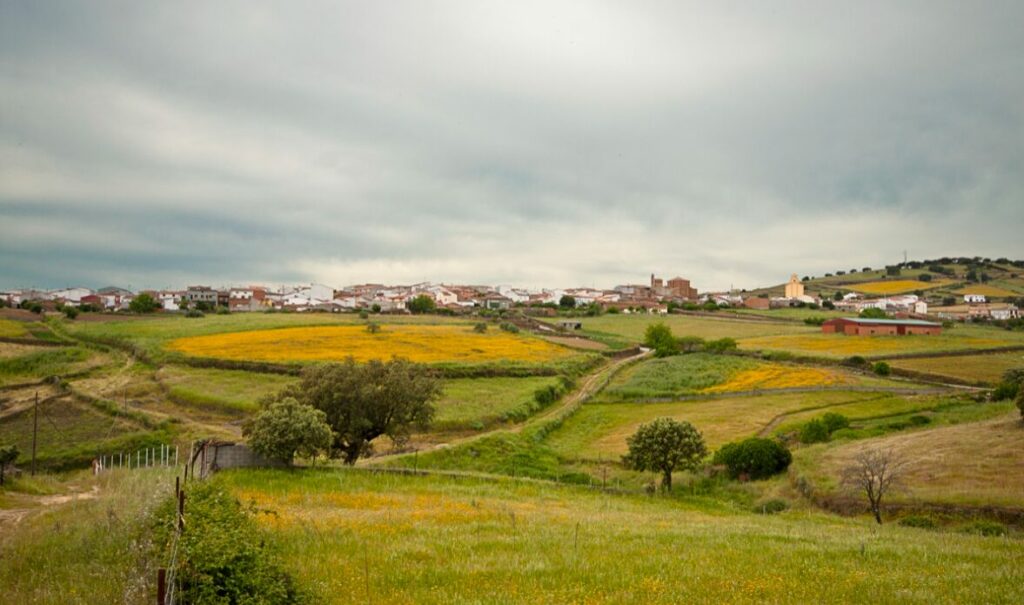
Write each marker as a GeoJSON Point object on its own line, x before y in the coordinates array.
{"type": "Point", "coordinates": [838, 346]}
{"type": "Point", "coordinates": [983, 369]}
{"type": "Point", "coordinates": [898, 286]}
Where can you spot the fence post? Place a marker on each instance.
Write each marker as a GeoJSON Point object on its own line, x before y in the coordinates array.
{"type": "Point", "coordinates": [181, 511]}
{"type": "Point", "coordinates": [161, 586]}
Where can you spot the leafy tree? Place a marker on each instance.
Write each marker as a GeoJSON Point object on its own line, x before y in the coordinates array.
{"type": "Point", "coordinates": [892, 270]}
{"type": "Point", "coordinates": [865, 269]}
{"type": "Point", "coordinates": [375, 308]}
{"type": "Point", "coordinates": [873, 313]}
{"type": "Point", "coordinates": [754, 458]}
{"type": "Point", "coordinates": [69, 311]}
{"type": "Point", "coordinates": [837, 296]}
{"type": "Point", "coordinates": [145, 303]}
{"type": "Point", "coordinates": [421, 304]}
{"type": "Point", "coordinates": [8, 454]}
{"type": "Point", "coordinates": [882, 369]}
{"type": "Point", "coordinates": [721, 345]}
{"type": "Point", "coordinates": [828, 304]}
{"type": "Point", "coordinates": [690, 344]}
{"type": "Point", "coordinates": [567, 302]}
{"type": "Point", "coordinates": [286, 428]}
{"type": "Point", "coordinates": [876, 473]}
{"type": "Point", "coordinates": [659, 337]}
{"type": "Point", "coordinates": [925, 277]}
{"type": "Point", "coordinates": [665, 445]}
{"type": "Point", "coordinates": [948, 301]}
{"type": "Point", "coordinates": [365, 401]}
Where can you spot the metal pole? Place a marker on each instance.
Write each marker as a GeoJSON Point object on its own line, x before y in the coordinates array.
{"type": "Point", "coordinates": [161, 586]}
{"type": "Point", "coordinates": [35, 432]}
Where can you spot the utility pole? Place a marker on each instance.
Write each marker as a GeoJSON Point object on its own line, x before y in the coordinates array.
{"type": "Point", "coordinates": [35, 432]}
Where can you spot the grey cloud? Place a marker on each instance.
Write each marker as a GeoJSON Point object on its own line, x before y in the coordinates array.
{"type": "Point", "coordinates": [528, 143]}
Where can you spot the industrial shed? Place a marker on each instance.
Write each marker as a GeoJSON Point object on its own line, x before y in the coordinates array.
{"type": "Point", "coordinates": [880, 327]}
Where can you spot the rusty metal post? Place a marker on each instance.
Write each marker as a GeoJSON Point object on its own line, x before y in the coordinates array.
{"type": "Point", "coordinates": [161, 586]}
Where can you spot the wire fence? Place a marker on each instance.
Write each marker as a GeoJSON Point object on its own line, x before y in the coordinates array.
{"type": "Point", "coordinates": [163, 455]}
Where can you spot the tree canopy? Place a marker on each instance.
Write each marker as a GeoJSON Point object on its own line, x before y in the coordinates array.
{"type": "Point", "coordinates": [665, 445]}
{"type": "Point", "coordinates": [143, 303]}
{"type": "Point", "coordinates": [422, 303]}
{"type": "Point", "coordinates": [286, 428]}
{"type": "Point", "coordinates": [659, 337]}
{"type": "Point", "coordinates": [364, 401]}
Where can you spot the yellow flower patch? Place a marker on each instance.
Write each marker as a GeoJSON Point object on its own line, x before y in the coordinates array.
{"type": "Point", "coordinates": [778, 377]}
{"type": "Point", "coordinates": [419, 343]}
{"type": "Point", "coordinates": [897, 286]}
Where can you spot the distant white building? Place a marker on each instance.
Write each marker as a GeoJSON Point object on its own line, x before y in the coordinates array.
{"type": "Point", "coordinates": [71, 295]}
{"type": "Point", "coordinates": [974, 298]}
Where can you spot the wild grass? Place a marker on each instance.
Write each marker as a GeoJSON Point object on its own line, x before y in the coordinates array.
{"type": "Point", "coordinates": [42, 363]}
{"type": "Point", "coordinates": [987, 290]}
{"type": "Point", "coordinates": [477, 403]}
{"type": "Point", "coordinates": [10, 328]}
{"type": "Point", "coordinates": [599, 431]}
{"type": "Point", "coordinates": [879, 406]}
{"type": "Point", "coordinates": [230, 391]}
{"type": "Point", "coordinates": [71, 433]}
{"type": "Point", "coordinates": [983, 369]}
{"type": "Point", "coordinates": [86, 551]}
{"type": "Point", "coordinates": [969, 463]}
{"type": "Point", "coordinates": [352, 536]}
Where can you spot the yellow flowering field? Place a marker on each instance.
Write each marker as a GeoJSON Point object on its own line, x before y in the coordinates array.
{"type": "Point", "coordinates": [774, 376]}
{"type": "Point", "coordinates": [12, 329]}
{"type": "Point", "coordinates": [419, 343]}
{"type": "Point", "coordinates": [898, 286]}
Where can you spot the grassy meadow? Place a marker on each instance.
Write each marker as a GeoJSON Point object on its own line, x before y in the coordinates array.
{"type": "Point", "coordinates": [837, 346]}
{"type": "Point", "coordinates": [357, 537]}
{"type": "Point", "coordinates": [985, 369]}
{"type": "Point", "coordinates": [622, 330]}
{"type": "Point", "coordinates": [230, 391]}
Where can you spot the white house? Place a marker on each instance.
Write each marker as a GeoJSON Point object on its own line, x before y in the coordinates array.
{"type": "Point", "coordinates": [974, 298]}
{"type": "Point", "coordinates": [71, 295]}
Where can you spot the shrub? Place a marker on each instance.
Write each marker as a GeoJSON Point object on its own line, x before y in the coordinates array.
{"type": "Point", "coordinates": [659, 337]}
{"type": "Point", "coordinates": [373, 327]}
{"type": "Point", "coordinates": [921, 521]}
{"type": "Point", "coordinates": [721, 345]}
{"type": "Point", "coordinates": [814, 431]}
{"type": "Point", "coordinates": [193, 313]}
{"type": "Point", "coordinates": [690, 344]}
{"type": "Point", "coordinates": [855, 361]}
{"type": "Point", "coordinates": [882, 369]}
{"type": "Point", "coordinates": [70, 312]}
{"type": "Point", "coordinates": [511, 328]}
{"type": "Point", "coordinates": [1005, 390]}
{"type": "Point", "coordinates": [815, 321]}
{"type": "Point", "coordinates": [480, 327]}
{"type": "Point", "coordinates": [422, 303]}
{"type": "Point", "coordinates": [754, 458]}
{"type": "Point", "coordinates": [143, 303]}
{"type": "Point", "coordinates": [985, 528]}
{"type": "Point", "coordinates": [771, 507]}
{"type": "Point", "coordinates": [223, 554]}
{"type": "Point", "coordinates": [222, 310]}
{"type": "Point", "coordinates": [919, 420]}
{"type": "Point", "coordinates": [873, 314]}
{"type": "Point", "coordinates": [834, 422]}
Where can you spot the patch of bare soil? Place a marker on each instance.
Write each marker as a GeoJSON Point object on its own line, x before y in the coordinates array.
{"type": "Point", "coordinates": [577, 343]}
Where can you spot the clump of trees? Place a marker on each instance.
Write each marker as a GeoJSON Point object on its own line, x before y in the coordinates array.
{"type": "Point", "coordinates": [286, 428]}
{"type": "Point", "coordinates": [754, 458]}
{"type": "Point", "coordinates": [665, 445]}
{"type": "Point", "coordinates": [422, 303]}
{"type": "Point", "coordinates": [819, 430]}
{"type": "Point", "coordinates": [364, 401]}
{"type": "Point", "coordinates": [143, 303]}
{"type": "Point", "coordinates": [873, 313]}
{"type": "Point", "coordinates": [658, 337]}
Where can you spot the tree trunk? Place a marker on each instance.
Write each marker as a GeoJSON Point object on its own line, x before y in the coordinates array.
{"type": "Point", "coordinates": [876, 509]}
{"type": "Point", "coordinates": [351, 453]}
{"type": "Point", "coordinates": [667, 481]}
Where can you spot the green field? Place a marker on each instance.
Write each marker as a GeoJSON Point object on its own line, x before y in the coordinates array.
{"type": "Point", "coordinates": [982, 369]}
{"type": "Point", "coordinates": [40, 363]}
{"type": "Point", "coordinates": [10, 328]}
{"type": "Point", "coordinates": [624, 330]}
{"type": "Point", "coordinates": [229, 391]}
{"type": "Point", "coordinates": [674, 376]}
{"type": "Point", "coordinates": [475, 403]}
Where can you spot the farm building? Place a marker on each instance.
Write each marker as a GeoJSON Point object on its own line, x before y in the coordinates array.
{"type": "Point", "coordinates": [880, 327]}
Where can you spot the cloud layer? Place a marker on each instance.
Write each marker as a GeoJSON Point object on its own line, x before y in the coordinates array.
{"type": "Point", "coordinates": [578, 144]}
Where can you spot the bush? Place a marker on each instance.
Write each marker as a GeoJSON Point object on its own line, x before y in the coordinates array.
{"type": "Point", "coordinates": [919, 420]}
{"type": "Point", "coordinates": [690, 344]}
{"type": "Point", "coordinates": [659, 337]}
{"type": "Point", "coordinates": [511, 328]}
{"type": "Point", "coordinates": [771, 507]}
{"type": "Point", "coordinates": [223, 554]}
{"type": "Point", "coordinates": [985, 528]}
{"type": "Point", "coordinates": [855, 361]}
{"type": "Point", "coordinates": [364, 314]}
{"type": "Point", "coordinates": [814, 431]}
{"type": "Point", "coordinates": [882, 369]}
{"type": "Point", "coordinates": [222, 310]}
{"type": "Point", "coordinates": [873, 314]}
{"type": "Point", "coordinates": [815, 321]}
{"type": "Point", "coordinates": [193, 313]}
{"type": "Point", "coordinates": [373, 327]}
{"type": "Point", "coordinates": [920, 521]}
{"type": "Point", "coordinates": [722, 345]}
{"type": "Point", "coordinates": [480, 327]}
{"type": "Point", "coordinates": [754, 458]}
{"type": "Point", "coordinates": [1005, 390]}
{"type": "Point", "coordinates": [422, 303]}
{"type": "Point", "coordinates": [143, 303]}
{"type": "Point", "coordinates": [834, 422]}
{"type": "Point", "coordinates": [70, 312]}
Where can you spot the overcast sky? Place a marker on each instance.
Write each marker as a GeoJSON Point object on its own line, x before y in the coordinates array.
{"type": "Point", "coordinates": [531, 143]}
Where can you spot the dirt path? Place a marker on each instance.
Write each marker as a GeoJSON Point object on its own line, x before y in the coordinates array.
{"type": "Point", "coordinates": [590, 385]}
{"type": "Point", "coordinates": [29, 505]}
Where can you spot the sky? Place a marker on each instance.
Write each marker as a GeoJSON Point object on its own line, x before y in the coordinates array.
{"type": "Point", "coordinates": [537, 144]}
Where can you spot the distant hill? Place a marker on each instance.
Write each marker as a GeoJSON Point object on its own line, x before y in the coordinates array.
{"type": "Point", "coordinates": [1000, 279]}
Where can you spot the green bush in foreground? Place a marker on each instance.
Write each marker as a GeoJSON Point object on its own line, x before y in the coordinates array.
{"type": "Point", "coordinates": [834, 422]}
{"type": "Point", "coordinates": [223, 555]}
{"type": "Point", "coordinates": [754, 458]}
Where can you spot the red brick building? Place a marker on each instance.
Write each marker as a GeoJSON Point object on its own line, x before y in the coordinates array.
{"type": "Point", "coordinates": [880, 327]}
